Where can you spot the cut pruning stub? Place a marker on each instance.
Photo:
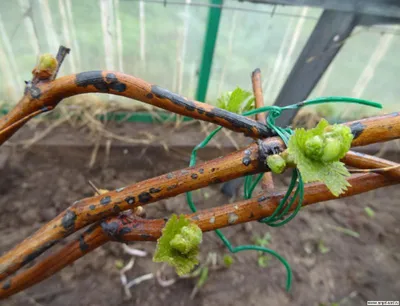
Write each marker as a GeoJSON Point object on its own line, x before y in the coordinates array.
{"type": "Point", "coordinates": [179, 244]}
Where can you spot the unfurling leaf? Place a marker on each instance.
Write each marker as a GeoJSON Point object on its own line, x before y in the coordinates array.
{"type": "Point", "coordinates": [237, 101]}
{"type": "Point", "coordinates": [179, 244]}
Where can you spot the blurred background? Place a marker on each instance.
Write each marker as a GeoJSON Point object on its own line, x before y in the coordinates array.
{"type": "Point", "coordinates": [343, 252]}
{"type": "Point", "coordinates": [163, 42]}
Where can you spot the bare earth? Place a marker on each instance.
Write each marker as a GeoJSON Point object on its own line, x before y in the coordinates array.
{"type": "Point", "coordinates": [37, 184]}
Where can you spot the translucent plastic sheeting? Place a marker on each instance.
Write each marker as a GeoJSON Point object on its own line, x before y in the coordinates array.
{"type": "Point", "coordinates": [249, 40]}
{"type": "Point", "coordinates": [164, 44]}
{"type": "Point", "coordinates": [366, 67]}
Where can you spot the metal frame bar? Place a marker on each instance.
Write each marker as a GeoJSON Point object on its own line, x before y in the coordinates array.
{"type": "Point", "coordinates": [214, 17]}
{"type": "Point", "coordinates": [386, 8]}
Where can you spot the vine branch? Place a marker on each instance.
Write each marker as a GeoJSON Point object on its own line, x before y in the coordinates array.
{"type": "Point", "coordinates": [267, 182]}
{"type": "Point", "coordinates": [46, 94]}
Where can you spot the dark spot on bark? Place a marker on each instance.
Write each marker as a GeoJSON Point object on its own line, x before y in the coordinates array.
{"type": "Point", "coordinates": [144, 197]}
{"type": "Point", "coordinates": [95, 78]}
{"type": "Point", "coordinates": [356, 129]}
{"type": "Point", "coordinates": [261, 199]}
{"type": "Point", "coordinates": [92, 207]}
{"type": "Point", "coordinates": [213, 169]}
{"type": "Point", "coordinates": [82, 244]}
{"type": "Point", "coordinates": [155, 190]}
{"type": "Point", "coordinates": [201, 170]}
{"type": "Point", "coordinates": [145, 236]}
{"type": "Point", "coordinates": [265, 150]}
{"type": "Point", "coordinates": [210, 115]}
{"type": "Point", "coordinates": [7, 284]}
{"type": "Point", "coordinates": [124, 230]}
{"type": "Point", "coordinates": [194, 176]}
{"type": "Point", "coordinates": [116, 209]}
{"type": "Point", "coordinates": [257, 70]}
{"type": "Point", "coordinates": [173, 97]}
{"type": "Point", "coordinates": [201, 110]}
{"type": "Point", "coordinates": [251, 215]}
{"type": "Point", "coordinates": [68, 221]}
{"type": "Point", "coordinates": [106, 200]}
{"type": "Point", "coordinates": [130, 200]}
{"type": "Point", "coordinates": [166, 219]}
{"type": "Point", "coordinates": [91, 228]}
{"type": "Point", "coordinates": [35, 92]}
{"type": "Point", "coordinates": [169, 188]}
{"type": "Point", "coordinates": [38, 252]}
{"type": "Point", "coordinates": [246, 161]}
{"type": "Point", "coordinates": [111, 228]}
{"type": "Point", "coordinates": [216, 180]}
{"type": "Point", "coordinates": [242, 123]}
{"type": "Point", "coordinates": [150, 96]}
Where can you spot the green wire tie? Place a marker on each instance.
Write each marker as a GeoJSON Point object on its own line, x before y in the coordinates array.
{"type": "Point", "coordinates": [277, 218]}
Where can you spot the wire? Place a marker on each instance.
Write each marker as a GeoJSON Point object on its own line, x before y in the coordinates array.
{"type": "Point", "coordinates": [227, 7]}
{"type": "Point", "coordinates": [278, 217]}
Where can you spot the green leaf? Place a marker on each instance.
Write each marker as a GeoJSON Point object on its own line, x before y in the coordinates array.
{"type": "Point", "coordinates": [203, 277]}
{"type": "Point", "coordinates": [119, 264]}
{"type": "Point", "coordinates": [369, 211]}
{"type": "Point", "coordinates": [228, 260]}
{"type": "Point", "coordinates": [179, 244]}
{"type": "Point", "coordinates": [263, 241]}
{"type": "Point", "coordinates": [322, 248]}
{"type": "Point", "coordinates": [333, 173]}
{"type": "Point", "coordinates": [237, 101]}
{"type": "Point", "coordinates": [263, 261]}
{"type": "Point", "coordinates": [345, 231]}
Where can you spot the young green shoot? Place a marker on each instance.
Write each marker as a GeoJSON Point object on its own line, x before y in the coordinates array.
{"type": "Point", "coordinates": [237, 101]}
{"type": "Point", "coordinates": [316, 153]}
{"type": "Point", "coordinates": [179, 244]}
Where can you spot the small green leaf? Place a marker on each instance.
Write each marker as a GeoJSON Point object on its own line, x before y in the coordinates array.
{"type": "Point", "coordinates": [263, 261]}
{"type": "Point", "coordinates": [237, 101]}
{"type": "Point", "coordinates": [369, 211]}
{"type": "Point", "coordinates": [179, 244]}
{"type": "Point", "coordinates": [228, 260]}
{"type": "Point", "coordinates": [346, 231]}
{"type": "Point", "coordinates": [119, 264]}
{"type": "Point", "coordinates": [263, 241]}
{"type": "Point", "coordinates": [203, 277]}
{"type": "Point", "coordinates": [322, 248]}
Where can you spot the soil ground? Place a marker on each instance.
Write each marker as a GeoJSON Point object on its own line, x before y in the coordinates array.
{"type": "Point", "coordinates": [329, 266]}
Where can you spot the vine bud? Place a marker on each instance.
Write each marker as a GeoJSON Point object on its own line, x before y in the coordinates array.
{"type": "Point", "coordinates": [314, 147]}
{"type": "Point", "coordinates": [188, 238]}
{"type": "Point", "coordinates": [276, 163]}
{"type": "Point", "coordinates": [331, 150]}
{"type": "Point", "coordinates": [46, 66]}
